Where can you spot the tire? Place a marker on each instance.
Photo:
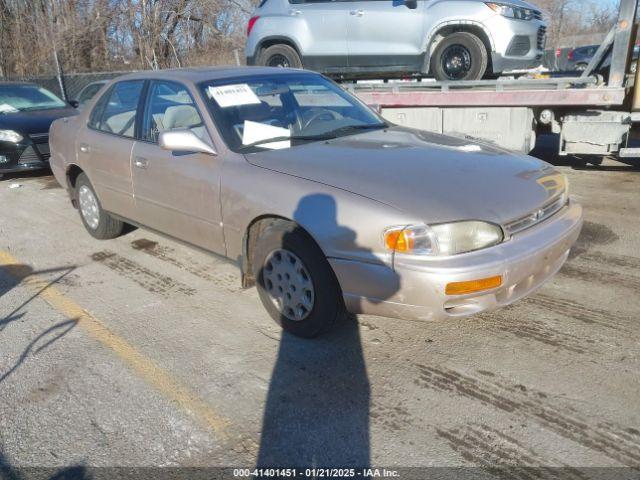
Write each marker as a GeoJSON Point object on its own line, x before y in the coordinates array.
{"type": "Point", "coordinates": [581, 67]}
{"type": "Point", "coordinates": [279, 56]}
{"type": "Point", "coordinates": [101, 225]}
{"type": "Point", "coordinates": [278, 245]}
{"type": "Point", "coordinates": [459, 56]}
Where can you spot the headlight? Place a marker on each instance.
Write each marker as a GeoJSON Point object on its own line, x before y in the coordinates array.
{"type": "Point", "coordinates": [10, 136]}
{"type": "Point", "coordinates": [444, 239]}
{"type": "Point", "coordinates": [511, 11]}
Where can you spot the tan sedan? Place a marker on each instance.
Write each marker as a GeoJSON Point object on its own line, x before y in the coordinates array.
{"type": "Point", "coordinates": [322, 204]}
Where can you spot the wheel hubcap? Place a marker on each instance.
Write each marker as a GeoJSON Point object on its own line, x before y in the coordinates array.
{"type": "Point", "coordinates": [288, 283]}
{"type": "Point", "coordinates": [278, 61]}
{"type": "Point", "coordinates": [456, 62]}
{"type": "Point", "coordinates": [89, 207]}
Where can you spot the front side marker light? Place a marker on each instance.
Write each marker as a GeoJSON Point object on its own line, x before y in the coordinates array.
{"type": "Point", "coordinates": [473, 286]}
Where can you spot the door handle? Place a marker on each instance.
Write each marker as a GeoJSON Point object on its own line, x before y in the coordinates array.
{"type": "Point", "coordinates": [295, 13]}
{"type": "Point", "coordinates": [140, 162]}
{"type": "Point", "coordinates": [84, 148]}
{"type": "Point", "coordinates": [357, 13]}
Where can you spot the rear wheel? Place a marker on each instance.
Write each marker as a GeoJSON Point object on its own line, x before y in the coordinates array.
{"type": "Point", "coordinates": [282, 56]}
{"type": "Point", "coordinates": [98, 223]}
{"type": "Point", "coordinates": [295, 281]}
{"type": "Point", "coordinates": [459, 56]}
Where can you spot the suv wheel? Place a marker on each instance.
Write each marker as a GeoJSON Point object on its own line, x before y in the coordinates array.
{"type": "Point", "coordinates": [282, 56]}
{"type": "Point", "coordinates": [460, 56]}
{"type": "Point", "coordinates": [98, 223]}
{"type": "Point", "coordinates": [295, 281]}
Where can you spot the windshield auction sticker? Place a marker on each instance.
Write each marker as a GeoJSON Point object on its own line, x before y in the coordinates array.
{"type": "Point", "coordinates": [233, 95]}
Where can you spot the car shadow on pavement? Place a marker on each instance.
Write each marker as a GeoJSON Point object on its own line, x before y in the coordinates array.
{"type": "Point", "coordinates": [10, 277]}
{"type": "Point", "coordinates": [318, 403]}
{"type": "Point", "coordinates": [9, 472]}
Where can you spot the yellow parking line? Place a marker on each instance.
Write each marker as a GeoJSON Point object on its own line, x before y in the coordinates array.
{"type": "Point", "coordinates": [155, 376]}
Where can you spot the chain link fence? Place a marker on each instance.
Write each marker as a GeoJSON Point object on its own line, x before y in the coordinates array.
{"type": "Point", "coordinates": [67, 86]}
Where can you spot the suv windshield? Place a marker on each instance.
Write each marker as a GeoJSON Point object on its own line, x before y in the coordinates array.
{"type": "Point", "coordinates": [284, 110]}
{"type": "Point", "coordinates": [21, 98]}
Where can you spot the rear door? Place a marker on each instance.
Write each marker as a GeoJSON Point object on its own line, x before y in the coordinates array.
{"type": "Point", "coordinates": [176, 193]}
{"type": "Point", "coordinates": [322, 34]}
{"type": "Point", "coordinates": [385, 34]}
{"type": "Point", "coordinates": [104, 146]}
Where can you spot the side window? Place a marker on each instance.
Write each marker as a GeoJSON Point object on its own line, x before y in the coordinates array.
{"type": "Point", "coordinates": [119, 113]}
{"type": "Point", "coordinates": [96, 113]}
{"type": "Point", "coordinates": [170, 107]}
{"type": "Point", "coordinates": [88, 93]}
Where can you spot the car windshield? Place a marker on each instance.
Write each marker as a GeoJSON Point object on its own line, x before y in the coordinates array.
{"type": "Point", "coordinates": [21, 98]}
{"type": "Point", "coordinates": [284, 110]}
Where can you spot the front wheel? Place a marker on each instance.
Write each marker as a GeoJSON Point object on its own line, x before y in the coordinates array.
{"type": "Point", "coordinates": [459, 56]}
{"type": "Point", "coordinates": [282, 56]}
{"type": "Point", "coordinates": [295, 281]}
{"type": "Point", "coordinates": [98, 223]}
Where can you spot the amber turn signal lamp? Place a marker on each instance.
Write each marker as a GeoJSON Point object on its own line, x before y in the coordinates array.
{"type": "Point", "coordinates": [473, 286]}
{"type": "Point", "coordinates": [399, 240]}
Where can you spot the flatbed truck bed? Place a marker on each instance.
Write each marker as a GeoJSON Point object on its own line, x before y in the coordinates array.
{"type": "Point", "coordinates": [593, 116]}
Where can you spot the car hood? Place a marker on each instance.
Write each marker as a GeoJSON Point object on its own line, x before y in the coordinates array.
{"type": "Point", "coordinates": [36, 121]}
{"type": "Point", "coordinates": [432, 177]}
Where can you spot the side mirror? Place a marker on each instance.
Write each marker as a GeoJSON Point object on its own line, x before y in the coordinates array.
{"type": "Point", "coordinates": [411, 4]}
{"type": "Point", "coordinates": [74, 103]}
{"type": "Point", "coordinates": [184, 141]}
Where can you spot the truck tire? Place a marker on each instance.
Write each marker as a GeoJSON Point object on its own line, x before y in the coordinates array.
{"type": "Point", "coordinates": [295, 281]}
{"type": "Point", "coordinates": [459, 56]}
{"type": "Point", "coordinates": [98, 223]}
{"type": "Point", "coordinates": [280, 55]}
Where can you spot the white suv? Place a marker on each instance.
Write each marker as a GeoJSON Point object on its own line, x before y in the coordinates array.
{"type": "Point", "coordinates": [447, 39]}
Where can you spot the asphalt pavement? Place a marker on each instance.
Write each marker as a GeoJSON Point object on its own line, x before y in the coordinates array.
{"type": "Point", "coordinates": [141, 352]}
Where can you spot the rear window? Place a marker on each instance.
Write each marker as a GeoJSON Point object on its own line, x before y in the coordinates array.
{"type": "Point", "coordinates": [116, 111]}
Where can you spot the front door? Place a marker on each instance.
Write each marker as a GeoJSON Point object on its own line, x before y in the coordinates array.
{"type": "Point", "coordinates": [176, 193]}
{"type": "Point", "coordinates": [104, 148]}
{"type": "Point", "coordinates": [385, 35]}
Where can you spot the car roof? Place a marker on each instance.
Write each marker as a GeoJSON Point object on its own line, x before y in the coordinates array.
{"type": "Point", "coordinates": [197, 75]}
{"type": "Point", "coordinates": [14, 83]}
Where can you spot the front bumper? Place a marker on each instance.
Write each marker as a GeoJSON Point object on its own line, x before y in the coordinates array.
{"type": "Point", "coordinates": [518, 44]}
{"type": "Point", "coordinates": [417, 291]}
{"type": "Point", "coordinates": [25, 156]}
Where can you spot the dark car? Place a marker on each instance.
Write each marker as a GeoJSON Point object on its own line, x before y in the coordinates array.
{"type": "Point", "coordinates": [579, 58]}
{"type": "Point", "coordinates": [26, 113]}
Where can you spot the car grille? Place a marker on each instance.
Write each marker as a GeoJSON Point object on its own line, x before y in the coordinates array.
{"type": "Point", "coordinates": [520, 46]}
{"type": "Point", "coordinates": [538, 216]}
{"type": "Point", "coordinates": [542, 38]}
{"type": "Point", "coordinates": [41, 144]}
{"type": "Point", "coordinates": [29, 157]}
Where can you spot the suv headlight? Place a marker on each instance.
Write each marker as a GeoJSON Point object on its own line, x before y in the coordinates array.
{"type": "Point", "coordinates": [10, 136]}
{"type": "Point", "coordinates": [511, 11]}
{"type": "Point", "coordinates": [444, 239]}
